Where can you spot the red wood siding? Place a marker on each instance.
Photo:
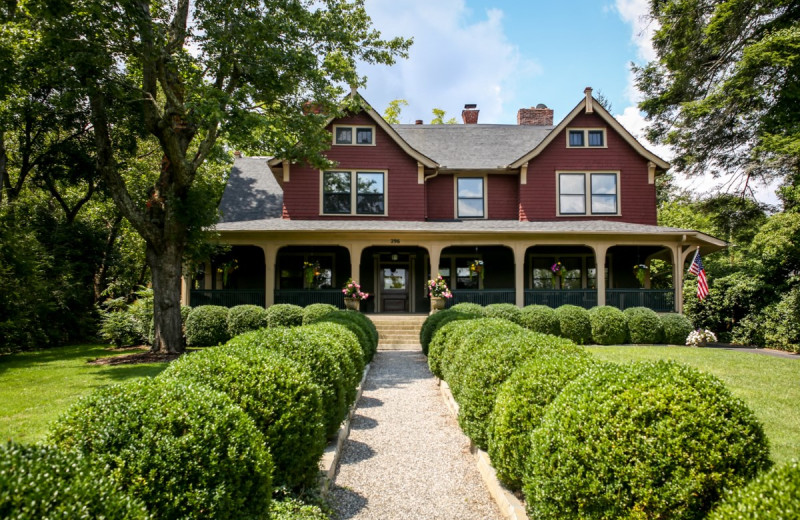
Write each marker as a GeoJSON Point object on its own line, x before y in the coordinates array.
{"type": "Point", "coordinates": [404, 196]}
{"type": "Point", "coordinates": [637, 198]}
{"type": "Point", "coordinates": [503, 197]}
{"type": "Point", "coordinates": [440, 195]}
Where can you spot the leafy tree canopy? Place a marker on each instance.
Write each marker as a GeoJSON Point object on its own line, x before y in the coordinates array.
{"type": "Point", "coordinates": [724, 91]}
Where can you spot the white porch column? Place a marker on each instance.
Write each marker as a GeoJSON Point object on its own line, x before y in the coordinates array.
{"type": "Point", "coordinates": [207, 276]}
{"type": "Point", "coordinates": [435, 254]}
{"type": "Point", "coordinates": [680, 253]}
{"type": "Point", "coordinates": [355, 261]}
{"type": "Point", "coordinates": [270, 259]}
{"type": "Point", "coordinates": [600, 251]}
{"type": "Point", "coordinates": [519, 274]}
{"type": "Point", "coordinates": [186, 285]}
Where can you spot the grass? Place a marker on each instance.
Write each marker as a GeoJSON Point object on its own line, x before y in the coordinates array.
{"type": "Point", "coordinates": [37, 387]}
{"type": "Point", "coordinates": [769, 385]}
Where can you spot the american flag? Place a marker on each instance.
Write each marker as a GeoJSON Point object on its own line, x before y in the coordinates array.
{"type": "Point", "coordinates": [698, 269]}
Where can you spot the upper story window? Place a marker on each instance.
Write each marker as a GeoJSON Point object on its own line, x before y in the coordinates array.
{"type": "Point", "coordinates": [352, 192]}
{"type": "Point", "coordinates": [353, 135]}
{"type": "Point", "coordinates": [586, 138]}
{"type": "Point", "coordinates": [599, 192]}
{"type": "Point", "coordinates": [470, 197]}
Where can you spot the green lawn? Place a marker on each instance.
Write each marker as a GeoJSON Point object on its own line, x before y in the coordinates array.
{"type": "Point", "coordinates": [769, 385]}
{"type": "Point", "coordinates": [36, 387]}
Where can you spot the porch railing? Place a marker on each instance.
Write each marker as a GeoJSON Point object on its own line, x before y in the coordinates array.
{"type": "Point", "coordinates": [227, 297]}
{"type": "Point", "coordinates": [304, 297]}
{"type": "Point", "coordinates": [585, 298]}
{"type": "Point", "coordinates": [484, 297]}
{"type": "Point", "coordinates": [660, 300]}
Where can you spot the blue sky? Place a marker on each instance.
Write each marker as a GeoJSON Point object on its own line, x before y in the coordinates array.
{"type": "Point", "coordinates": [504, 55]}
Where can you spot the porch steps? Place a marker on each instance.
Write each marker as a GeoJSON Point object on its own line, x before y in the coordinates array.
{"type": "Point", "coordinates": [398, 331]}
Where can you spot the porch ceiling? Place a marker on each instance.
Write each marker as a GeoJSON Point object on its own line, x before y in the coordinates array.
{"type": "Point", "coordinates": [563, 231]}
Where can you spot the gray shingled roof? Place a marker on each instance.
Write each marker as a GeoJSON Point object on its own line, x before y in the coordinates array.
{"type": "Point", "coordinates": [252, 193]}
{"type": "Point", "coordinates": [473, 147]}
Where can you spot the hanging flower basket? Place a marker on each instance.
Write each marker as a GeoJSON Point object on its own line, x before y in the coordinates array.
{"type": "Point", "coordinates": [311, 270]}
{"type": "Point", "coordinates": [640, 271]}
{"type": "Point", "coordinates": [476, 268]}
{"type": "Point", "coordinates": [558, 271]}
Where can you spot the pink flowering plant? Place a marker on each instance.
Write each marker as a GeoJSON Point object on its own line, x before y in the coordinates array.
{"type": "Point", "coordinates": [437, 288]}
{"type": "Point", "coordinates": [353, 290]}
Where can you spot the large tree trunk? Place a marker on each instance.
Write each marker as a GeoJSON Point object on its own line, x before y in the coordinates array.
{"type": "Point", "coordinates": [165, 269]}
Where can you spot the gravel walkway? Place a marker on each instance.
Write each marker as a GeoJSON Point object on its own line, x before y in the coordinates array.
{"type": "Point", "coordinates": [406, 457]}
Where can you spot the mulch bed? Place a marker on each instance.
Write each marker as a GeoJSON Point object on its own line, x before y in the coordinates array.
{"type": "Point", "coordinates": [134, 358]}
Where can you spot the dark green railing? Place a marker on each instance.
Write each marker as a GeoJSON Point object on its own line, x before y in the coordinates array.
{"type": "Point", "coordinates": [660, 300]}
{"type": "Point", "coordinates": [227, 297]}
{"type": "Point", "coordinates": [304, 297]}
{"type": "Point", "coordinates": [484, 297]}
{"type": "Point", "coordinates": [585, 298]}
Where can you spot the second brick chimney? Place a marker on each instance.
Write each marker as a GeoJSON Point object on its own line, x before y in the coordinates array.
{"type": "Point", "coordinates": [535, 116]}
{"type": "Point", "coordinates": [470, 114]}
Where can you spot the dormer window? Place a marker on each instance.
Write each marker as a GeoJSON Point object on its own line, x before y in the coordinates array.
{"type": "Point", "coordinates": [586, 138]}
{"type": "Point", "coordinates": [353, 135]}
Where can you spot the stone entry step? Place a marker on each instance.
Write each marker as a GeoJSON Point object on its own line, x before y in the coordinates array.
{"type": "Point", "coordinates": [398, 331]}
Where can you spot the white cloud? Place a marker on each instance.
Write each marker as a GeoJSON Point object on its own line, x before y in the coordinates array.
{"type": "Point", "coordinates": [635, 13]}
{"type": "Point", "coordinates": [453, 60]}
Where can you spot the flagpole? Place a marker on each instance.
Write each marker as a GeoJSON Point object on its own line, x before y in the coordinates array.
{"type": "Point", "coordinates": [697, 252]}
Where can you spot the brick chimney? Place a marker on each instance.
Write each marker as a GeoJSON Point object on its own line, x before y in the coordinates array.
{"type": "Point", "coordinates": [418, 122]}
{"type": "Point", "coordinates": [470, 114]}
{"type": "Point", "coordinates": [535, 116]}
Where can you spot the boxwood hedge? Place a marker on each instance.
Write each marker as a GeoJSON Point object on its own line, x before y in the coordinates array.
{"type": "Point", "coordinates": [469, 308]}
{"type": "Point", "coordinates": [316, 357]}
{"type": "Point", "coordinates": [207, 326]}
{"type": "Point", "coordinates": [284, 315]}
{"type": "Point", "coordinates": [506, 311]}
{"type": "Point", "coordinates": [277, 393]}
{"type": "Point", "coordinates": [644, 440]}
{"type": "Point", "coordinates": [244, 318]}
{"type": "Point", "coordinates": [437, 320]}
{"type": "Point", "coordinates": [45, 483]}
{"type": "Point", "coordinates": [345, 345]}
{"type": "Point", "coordinates": [449, 339]}
{"type": "Point", "coordinates": [574, 324]}
{"type": "Point", "coordinates": [361, 326]}
{"type": "Point", "coordinates": [185, 450]}
{"type": "Point", "coordinates": [644, 325]}
{"type": "Point", "coordinates": [316, 311]}
{"type": "Point", "coordinates": [519, 406]}
{"type": "Point", "coordinates": [483, 364]}
{"type": "Point", "coordinates": [540, 318]}
{"type": "Point", "coordinates": [774, 495]}
{"type": "Point", "coordinates": [609, 325]}
{"type": "Point", "coordinates": [677, 328]}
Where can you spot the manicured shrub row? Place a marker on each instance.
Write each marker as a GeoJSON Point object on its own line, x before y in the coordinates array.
{"type": "Point", "coordinates": [609, 326]}
{"type": "Point", "coordinates": [574, 324]}
{"type": "Point", "coordinates": [284, 315]}
{"type": "Point", "coordinates": [207, 326]}
{"type": "Point", "coordinates": [774, 495]}
{"type": "Point", "coordinates": [506, 311]}
{"type": "Point", "coordinates": [361, 326]}
{"type": "Point", "coordinates": [540, 318]}
{"type": "Point", "coordinates": [44, 483]}
{"type": "Point", "coordinates": [244, 318]}
{"type": "Point", "coordinates": [590, 440]}
{"type": "Point", "coordinates": [183, 449]}
{"type": "Point", "coordinates": [461, 311]}
{"type": "Point", "coordinates": [316, 311]}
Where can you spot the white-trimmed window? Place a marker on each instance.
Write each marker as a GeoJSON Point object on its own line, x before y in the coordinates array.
{"type": "Point", "coordinates": [470, 197]}
{"type": "Point", "coordinates": [353, 135]}
{"type": "Point", "coordinates": [595, 193]}
{"type": "Point", "coordinates": [586, 138]}
{"type": "Point", "coordinates": [354, 192]}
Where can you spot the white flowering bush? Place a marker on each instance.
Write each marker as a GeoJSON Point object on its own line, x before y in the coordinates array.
{"type": "Point", "coordinates": [700, 337]}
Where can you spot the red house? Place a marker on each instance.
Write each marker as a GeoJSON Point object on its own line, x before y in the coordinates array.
{"type": "Point", "coordinates": [530, 213]}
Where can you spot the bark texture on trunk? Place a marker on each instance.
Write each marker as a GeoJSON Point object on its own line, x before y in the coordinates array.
{"type": "Point", "coordinates": [165, 269]}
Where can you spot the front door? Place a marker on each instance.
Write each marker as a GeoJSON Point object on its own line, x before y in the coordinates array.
{"type": "Point", "coordinates": [394, 279]}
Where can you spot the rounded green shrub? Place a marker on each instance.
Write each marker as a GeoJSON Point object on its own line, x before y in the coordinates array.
{"type": "Point", "coordinates": [484, 363]}
{"type": "Point", "coordinates": [277, 393]}
{"type": "Point", "coordinates": [344, 344]}
{"type": "Point", "coordinates": [540, 318]}
{"type": "Point", "coordinates": [468, 308]}
{"type": "Point", "coordinates": [574, 323]}
{"type": "Point", "coordinates": [676, 328]}
{"type": "Point", "coordinates": [506, 311]}
{"type": "Point", "coordinates": [361, 326]}
{"type": "Point", "coordinates": [207, 326]}
{"type": "Point", "coordinates": [316, 311]}
{"type": "Point", "coordinates": [44, 483]}
{"type": "Point", "coordinates": [609, 325]}
{"type": "Point", "coordinates": [316, 357]}
{"type": "Point", "coordinates": [244, 318]}
{"type": "Point", "coordinates": [449, 339]}
{"type": "Point", "coordinates": [185, 450]}
{"type": "Point", "coordinates": [437, 320]}
{"type": "Point", "coordinates": [644, 325]}
{"type": "Point", "coordinates": [284, 315]}
{"type": "Point", "coordinates": [520, 403]}
{"type": "Point", "coordinates": [774, 495]}
{"type": "Point", "coordinates": [644, 440]}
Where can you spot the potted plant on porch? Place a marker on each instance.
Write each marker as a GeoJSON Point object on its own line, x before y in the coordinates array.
{"type": "Point", "coordinates": [353, 295]}
{"type": "Point", "coordinates": [438, 291]}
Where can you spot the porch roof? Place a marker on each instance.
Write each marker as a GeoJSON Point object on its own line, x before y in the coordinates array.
{"type": "Point", "coordinates": [465, 227]}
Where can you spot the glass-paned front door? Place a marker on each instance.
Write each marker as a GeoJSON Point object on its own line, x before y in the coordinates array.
{"type": "Point", "coordinates": [394, 293]}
